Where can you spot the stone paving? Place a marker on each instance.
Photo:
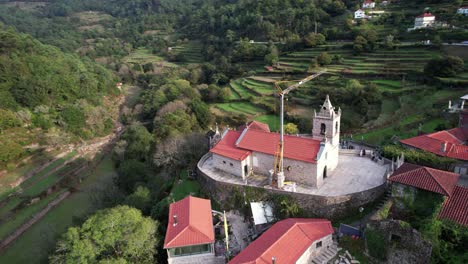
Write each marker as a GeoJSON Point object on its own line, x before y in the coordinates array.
{"type": "Point", "coordinates": [353, 174]}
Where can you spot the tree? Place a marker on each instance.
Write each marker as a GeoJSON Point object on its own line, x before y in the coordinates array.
{"type": "Point", "coordinates": [291, 129]}
{"type": "Point", "coordinates": [202, 112]}
{"type": "Point", "coordinates": [116, 235]}
{"type": "Point", "coordinates": [314, 40]}
{"type": "Point", "coordinates": [131, 173]}
{"type": "Point", "coordinates": [139, 141]}
{"type": "Point", "coordinates": [360, 44]}
{"type": "Point", "coordinates": [389, 41]}
{"type": "Point", "coordinates": [8, 119]}
{"type": "Point", "coordinates": [324, 59]}
{"type": "Point", "coordinates": [140, 199]}
{"type": "Point", "coordinates": [444, 67]}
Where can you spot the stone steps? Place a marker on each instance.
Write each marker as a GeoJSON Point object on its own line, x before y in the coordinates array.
{"type": "Point", "coordinates": [326, 255]}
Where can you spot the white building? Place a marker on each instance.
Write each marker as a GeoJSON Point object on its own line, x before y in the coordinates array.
{"type": "Point", "coordinates": [306, 161]}
{"type": "Point", "coordinates": [360, 14]}
{"type": "Point", "coordinates": [424, 20]}
{"type": "Point", "coordinates": [368, 4]}
{"type": "Point", "coordinates": [463, 10]}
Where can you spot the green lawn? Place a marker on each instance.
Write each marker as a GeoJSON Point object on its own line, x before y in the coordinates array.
{"type": "Point", "coordinates": [271, 120]}
{"type": "Point", "coordinates": [240, 108]}
{"type": "Point", "coordinates": [185, 187]}
{"type": "Point", "coordinates": [40, 239]}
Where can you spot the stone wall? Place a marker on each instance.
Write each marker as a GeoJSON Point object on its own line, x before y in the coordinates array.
{"type": "Point", "coordinates": [208, 258]}
{"type": "Point", "coordinates": [313, 251]}
{"type": "Point", "coordinates": [331, 207]}
{"type": "Point", "coordinates": [294, 170]}
{"type": "Point", "coordinates": [228, 165]}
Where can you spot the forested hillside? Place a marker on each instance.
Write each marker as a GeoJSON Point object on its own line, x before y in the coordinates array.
{"type": "Point", "coordinates": [45, 92]}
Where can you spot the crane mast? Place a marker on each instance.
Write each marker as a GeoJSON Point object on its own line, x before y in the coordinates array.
{"type": "Point", "coordinates": [278, 171]}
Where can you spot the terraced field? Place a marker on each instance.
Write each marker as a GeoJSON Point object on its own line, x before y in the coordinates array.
{"type": "Point", "coordinates": [190, 52]}
{"type": "Point", "coordinates": [240, 108]}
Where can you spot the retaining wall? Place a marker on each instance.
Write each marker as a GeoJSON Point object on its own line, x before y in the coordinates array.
{"type": "Point", "coordinates": [331, 207]}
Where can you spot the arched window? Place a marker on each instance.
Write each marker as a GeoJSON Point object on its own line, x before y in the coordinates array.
{"type": "Point", "coordinates": [323, 129]}
{"type": "Point", "coordinates": [336, 126]}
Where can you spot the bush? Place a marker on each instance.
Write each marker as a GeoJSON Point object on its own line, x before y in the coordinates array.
{"type": "Point", "coordinates": [418, 157]}
{"type": "Point", "coordinates": [8, 119]}
{"type": "Point", "coordinates": [444, 67]}
{"type": "Point", "coordinates": [376, 244]}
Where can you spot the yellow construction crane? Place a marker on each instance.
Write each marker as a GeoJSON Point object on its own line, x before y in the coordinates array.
{"type": "Point", "coordinates": [278, 171]}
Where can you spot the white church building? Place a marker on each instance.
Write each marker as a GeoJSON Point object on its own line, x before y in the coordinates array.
{"type": "Point", "coordinates": [307, 160]}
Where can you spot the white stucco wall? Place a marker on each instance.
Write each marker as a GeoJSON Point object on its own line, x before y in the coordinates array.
{"type": "Point", "coordinates": [313, 251]}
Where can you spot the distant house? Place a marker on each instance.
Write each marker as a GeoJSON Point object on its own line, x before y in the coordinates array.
{"type": "Point", "coordinates": [408, 179]}
{"type": "Point", "coordinates": [360, 14]}
{"type": "Point", "coordinates": [384, 3]}
{"type": "Point", "coordinates": [424, 20]}
{"type": "Point", "coordinates": [368, 4]}
{"type": "Point", "coordinates": [190, 233]}
{"type": "Point", "coordinates": [463, 10]}
{"type": "Point", "coordinates": [119, 85]}
{"type": "Point", "coordinates": [292, 240]}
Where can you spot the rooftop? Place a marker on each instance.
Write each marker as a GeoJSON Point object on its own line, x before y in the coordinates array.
{"type": "Point", "coordinates": [455, 208]}
{"type": "Point", "coordinates": [453, 139]}
{"type": "Point", "coordinates": [429, 179]}
{"type": "Point", "coordinates": [426, 15]}
{"type": "Point", "coordinates": [287, 240]}
{"type": "Point", "coordinates": [353, 174]}
{"type": "Point", "coordinates": [190, 223]}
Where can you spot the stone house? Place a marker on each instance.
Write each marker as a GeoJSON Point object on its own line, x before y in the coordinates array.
{"type": "Point", "coordinates": [409, 179]}
{"type": "Point", "coordinates": [292, 240]}
{"type": "Point", "coordinates": [190, 232]}
{"type": "Point", "coordinates": [306, 160]}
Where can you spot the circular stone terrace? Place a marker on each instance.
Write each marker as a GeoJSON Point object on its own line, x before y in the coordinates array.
{"type": "Point", "coordinates": [354, 174]}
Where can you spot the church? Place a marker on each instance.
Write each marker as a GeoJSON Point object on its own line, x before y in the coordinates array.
{"type": "Point", "coordinates": [307, 160]}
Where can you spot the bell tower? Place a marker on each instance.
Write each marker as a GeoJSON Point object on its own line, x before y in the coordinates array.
{"type": "Point", "coordinates": [326, 123]}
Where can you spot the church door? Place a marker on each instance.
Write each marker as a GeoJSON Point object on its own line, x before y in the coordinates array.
{"type": "Point", "coordinates": [246, 170]}
{"type": "Point", "coordinates": [325, 172]}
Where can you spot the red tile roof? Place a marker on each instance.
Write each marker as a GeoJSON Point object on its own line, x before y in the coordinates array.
{"type": "Point", "coordinates": [255, 125]}
{"type": "Point", "coordinates": [287, 240]}
{"type": "Point", "coordinates": [227, 147]}
{"type": "Point", "coordinates": [454, 139]}
{"type": "Point", "coordinates": [426, 15]}
{"type": "Point", "coordinates": [455, 208]}
{"type": "Point", "coordinates": [295, 148]}
{"type": "Point", "coordinates": [194, 223]}
{"type": "Point", "coordinates": [238, 146]}
{"type": "Point", "coordinates": [429, 179]}
{"type": "Point", "coordinates": [368, 2]}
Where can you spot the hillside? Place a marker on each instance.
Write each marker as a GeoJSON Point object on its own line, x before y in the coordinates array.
{"type": "Point", "coordinates": [48, 97]}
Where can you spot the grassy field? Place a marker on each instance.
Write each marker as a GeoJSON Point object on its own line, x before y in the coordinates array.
{"type": "Point", "coordinates": [143, 56]}
{"type": "Point", "coordinates": [240, 108]}
{"type": "Point", "coordinates": [40, 239]}
{"type": "Point", "coordinates": [271, 120]}
{"type": "Point", "coordinates": [184, 187]}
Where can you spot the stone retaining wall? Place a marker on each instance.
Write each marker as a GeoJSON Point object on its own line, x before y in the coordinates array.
{"type": "Point", "coordinates": [331, 207]}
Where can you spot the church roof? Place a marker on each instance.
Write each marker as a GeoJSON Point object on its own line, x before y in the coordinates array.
{"type": "Point", "coordinates": [238, 145]}
{"type": "Point", "coordinates": [256, 126]}
{"type": "Point", "coordinates": [287, 240]}
{"type": "Point", "coordinates": [429, 179]}
{"type": "Point", "coordinates": [227, 147]}
{"type": "Point", "coordinates": [190, 223]}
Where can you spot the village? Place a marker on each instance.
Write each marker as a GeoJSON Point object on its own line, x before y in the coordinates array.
{"type": "Point", "coordinates": [234, 132]}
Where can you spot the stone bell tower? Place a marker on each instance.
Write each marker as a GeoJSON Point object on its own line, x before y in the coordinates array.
{"type": "Point", "coordinates": [326, 123]}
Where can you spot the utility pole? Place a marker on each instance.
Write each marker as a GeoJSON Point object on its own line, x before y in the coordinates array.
{"type": "Point", "coordinates": [278, 170]}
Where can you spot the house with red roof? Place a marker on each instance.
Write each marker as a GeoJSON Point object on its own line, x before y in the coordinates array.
{"type": "Point", "coordinates": [463, 10]}
{"type": "Point", "coordinates": [190, 233]}
{"type": "Point", "coordinates": [293, 240]}
{"type": "Point", "coordinates": [409, 178]}
{"type": "Point", "coordinates": [368, 4]}
{"type": "Point", "coordinates": [451, 143]}
{"type": "Point", "coordinates": [425, 20]}
{"type": "Point", "coordinates": [307, 160]}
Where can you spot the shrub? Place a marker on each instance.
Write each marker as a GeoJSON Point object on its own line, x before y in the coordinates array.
{"type": "Point", "coordinates": [376, 244]}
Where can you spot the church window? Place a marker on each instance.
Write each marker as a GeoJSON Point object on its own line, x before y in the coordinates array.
{"type": "Point", "coordinates": [323, 129]}
{"type": "Point", "coordinates": [336, 126]}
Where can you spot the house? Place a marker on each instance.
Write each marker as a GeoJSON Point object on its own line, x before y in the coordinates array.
{"type": "Point", "coordinates": [409, 178]}
{"type": "Point", "coordinates": [463, 10]}
{"type": "Point", "coordinates": [451, 143]}
{"type": "Point", "coordinates": [307, 160]}
{"type": "Point", "coordinates": [190, 233]}
{"type": "Point", "coordinates": [360, 14]}
{"type": "Point", "coordinates": [424, 20]}
{"type": "Point", "coordinates": [368, 4]}
{"type": "Point", "coordinates": [292, 240]}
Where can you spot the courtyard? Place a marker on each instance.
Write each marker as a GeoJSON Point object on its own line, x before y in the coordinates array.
{"type": "Point", "coordinates": [354, 174]}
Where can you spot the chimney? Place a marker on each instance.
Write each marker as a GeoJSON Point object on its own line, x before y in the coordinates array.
{"type": "Point", "coordinates": [273, 260]}
{"type": "Point", "coordinates": [443, 147]}
{"type": "Point", "coordinates": [175, 220]}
